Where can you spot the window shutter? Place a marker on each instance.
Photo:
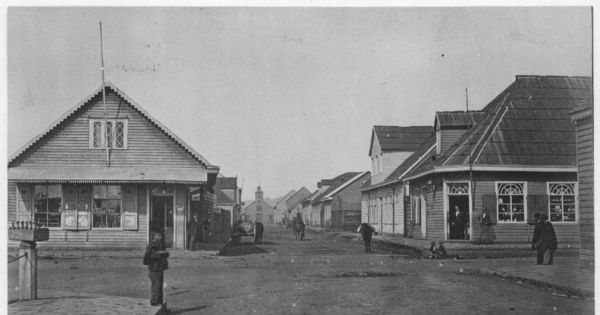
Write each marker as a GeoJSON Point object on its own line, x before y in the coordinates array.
{"type": "Point", "coordinates": [491, 204]}
{"type": "Point", "coordinates": [536, 203]}
{"type": "Point", "coordinates": [129, 213]}
{"type": "Point", "coordinates": [70, 207]}
{"type": "Point", "coordinates": [24, 199]}
{"type": "Point", "coordinates": [84, 205]}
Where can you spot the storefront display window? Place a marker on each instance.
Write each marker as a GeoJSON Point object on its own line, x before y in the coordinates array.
{"type": "Point", "coordinates": [107, 206]}
{"type": "Point", "coordinates": [562, 202]}
{"type": "Point", "coordinates": [511, 206]}
{"type": "Point", "coordinates": [47, 205]}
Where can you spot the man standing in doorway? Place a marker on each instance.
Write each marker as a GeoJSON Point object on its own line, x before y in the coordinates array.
{"type": "Point", "coordinates": [458, 224]}
{"type": "Point", "coordinates": [155, 258]}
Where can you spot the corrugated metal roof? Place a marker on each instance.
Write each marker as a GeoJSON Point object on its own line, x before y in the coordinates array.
{"type": "Point", "coordinates": [528, 124]}
{"type": "Point", "coordinates": [396, 138]}
{"type": "Point", "coordinates": [196, 155]}
{"type": "Point", "coordinates": [129, 174]}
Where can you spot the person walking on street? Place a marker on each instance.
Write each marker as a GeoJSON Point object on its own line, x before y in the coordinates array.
{"type": "Point", "coordinates": [193, 230]}
{"type": "Point", "coordinates": [484, 221]}
{"type": "Point", "coordinates": [536, 243]}
{"type": "Point", "coordinates": [549, 240]}
{"type": "Point", "coordinates": [155, 258]}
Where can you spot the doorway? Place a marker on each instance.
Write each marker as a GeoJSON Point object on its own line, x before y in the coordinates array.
{"type": "Point", "coordinates": [458, 227]}
{"type": "Point", "coordinates": [161, 218]}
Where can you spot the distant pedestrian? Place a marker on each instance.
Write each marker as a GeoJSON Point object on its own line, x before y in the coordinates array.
{"type": "Point", "coordinates": [367, 231]}
{"type": "Point", "coordinates": [549, 241]}
{"type": "Point", "coordinates": [193, 231]}
{"type": "Point", "coordinates": [536, 242]}
{"type": "Point", "coordinates": [485, 222]}
{"type": "Point", "coordinates": [155, 258]}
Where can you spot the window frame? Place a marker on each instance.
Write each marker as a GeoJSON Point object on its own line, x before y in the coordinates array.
{"type": "Point", "coordinates": [120, 214]}
{"type": "Point", "coordinates": [525, 194]}
{"type": "Point", "coordinates": [60, 209]}
{"type": "Point", "coordinates": [113, 133]}
{"type": "Point", "coordinates": [575, 201]}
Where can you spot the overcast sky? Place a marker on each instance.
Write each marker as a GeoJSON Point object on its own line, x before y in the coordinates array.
{"type": "Point", "coordinates": [283, 97]}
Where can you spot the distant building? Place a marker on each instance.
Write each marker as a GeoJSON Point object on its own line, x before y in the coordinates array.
{"type": "Point", "coordinates": [341, 202]}
{"type": "Point", "coordinates": [227, 198]}
{"type": "Point", "coordinates": [383, 199]}
{"type": "Point", "coordinates": [258, 210]}
{"type": "Point", "coordinates": [281, 206]}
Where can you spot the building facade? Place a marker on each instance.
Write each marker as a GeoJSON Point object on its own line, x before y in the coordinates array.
{"type": "Point", "coordinates": [259, 210]}
{"type": "Point", "coordinates": [108, 181]}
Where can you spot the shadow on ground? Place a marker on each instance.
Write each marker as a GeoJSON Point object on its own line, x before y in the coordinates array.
{"type": "Point", "coordinates": [245, 248]}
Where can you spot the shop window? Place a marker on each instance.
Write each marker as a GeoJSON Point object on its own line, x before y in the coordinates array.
{"type": "Point", "coordinates": [47, 205]}
{"type": "Point", "coordinates": [511, 206]}
{"type": "Point", "coordinates": [562, 202]}
{"type": "Point", "coordinates": [115, 131]}
{"type": "Point", "coordinates": [107, 206]}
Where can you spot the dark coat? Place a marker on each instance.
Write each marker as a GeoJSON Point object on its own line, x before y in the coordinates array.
{"type": "Point", "coordinates": [549, 240]}
{"type": "Point", "coordinates": [154, 260]}
{"type": "Point", "coordinates": [537, 233]}
{"type": "Point", "coordinates": [366, 231]}
{"type": "Point", "coordinates": [487, 220]}
{"type": "Point", "coordinates": [193, 227]}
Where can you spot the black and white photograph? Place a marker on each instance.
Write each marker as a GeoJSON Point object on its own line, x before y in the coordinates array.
{"type": "Point", "coordinates": [180, 157]}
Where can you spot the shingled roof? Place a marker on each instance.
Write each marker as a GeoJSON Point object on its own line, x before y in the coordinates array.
{"type": "Point", "coordinates": [456, 119]}
{"type": "Point", "coordinates": [226, 183]}
{"type": "Point", "coordinates": [527, 126]}
{"type": "Point", "coordinates": [395, 138]}
{"type": "Point", "coordinates": [335, 184]}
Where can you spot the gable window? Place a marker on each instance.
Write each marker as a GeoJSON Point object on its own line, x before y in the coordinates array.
{"type": "Point", "coordinates": [511, 205]}
{"type": "Point", "coordinates": [562, 202]}
{"type": "Point", "coordinates": [47, 205]}
{"type": "Point", "coordinates": [115, 131]}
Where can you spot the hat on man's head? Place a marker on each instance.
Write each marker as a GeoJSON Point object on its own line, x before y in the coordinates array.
{"type": "Point", "coordinates": [536, 215]}
{"type": "Point", "coordinates": [432, 243]}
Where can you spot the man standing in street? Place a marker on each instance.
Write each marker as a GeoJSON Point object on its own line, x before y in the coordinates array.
{"type": "Point", "coordinates": [536, 243]}
{"type": "Point", "coordinates": [485, 221]}
{"type": "Point", "coordinates": [156, 260]}
{"type": "Point", "coordinates": [193, 229]}
{"type": "Point", "coordinates": [549, 240]}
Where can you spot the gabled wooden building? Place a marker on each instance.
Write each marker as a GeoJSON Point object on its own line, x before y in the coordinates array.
{"type": "Point", "coordinates": [383, 200]}
{"type": "Point", "coordinates": [519, 158]}
{"type": "Point", "coordinates": [96, 191]}
{"type": "Point", "coordinates": [259, 210]}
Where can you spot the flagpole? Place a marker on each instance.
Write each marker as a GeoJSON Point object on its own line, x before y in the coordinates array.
{"type": "Point", "coordinates": [470, 161]}
{"type": "Point", "coordinates": [104, 101]}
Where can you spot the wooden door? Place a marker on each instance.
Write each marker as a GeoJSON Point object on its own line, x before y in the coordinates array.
{"type": "Point", "coordinates": [162, 218]}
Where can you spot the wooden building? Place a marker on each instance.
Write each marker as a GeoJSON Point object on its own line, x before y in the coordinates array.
{"type": "Point", "coordinates": [281, 206]}
{"type": "Point", "coordinates": [519, 158]}
{"type": "Point", "coordinates": [292, 204]}
{"type": "Point", "coordinates": [96, 191]}
{"type": "Point", "coordinates": [316, 205]}
{"type": "Point", "coordinates": [259, 210]}
{"type": "Point", "coordinates": [342, 201]}
{"type": "Point", "coordinates": [583, 116]}
{"type": "Point", "coordinates": [227, 198]}
{"type": "Point", "coordinates": [383, 200]}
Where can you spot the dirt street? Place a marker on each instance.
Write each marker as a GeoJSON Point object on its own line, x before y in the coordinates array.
{"type": "Point", "coordinates": [320, 275]}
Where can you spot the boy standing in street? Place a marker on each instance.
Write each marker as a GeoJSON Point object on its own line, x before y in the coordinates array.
{"type": "Point", "coordinates": [156, 260]}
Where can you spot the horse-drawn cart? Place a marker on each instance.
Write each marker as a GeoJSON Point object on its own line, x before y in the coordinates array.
{"type": "Point", "coordinates": [243, 229]}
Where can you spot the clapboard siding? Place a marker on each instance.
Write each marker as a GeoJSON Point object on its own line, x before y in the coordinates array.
{"type": "Point", "coordinates": [585, 170]}
{"type": "Point", "coordinates": [435, 214]}
{"type": "Point", "coordinates": [449, 137]}
{"type": "Point", "coordinates": [391, 161]}
{"type": "Point", "coordinates": [69, 142]}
